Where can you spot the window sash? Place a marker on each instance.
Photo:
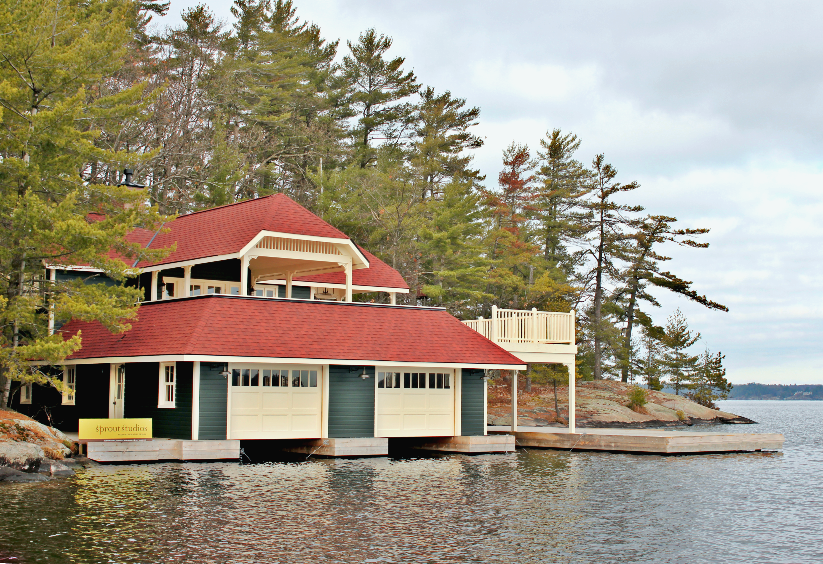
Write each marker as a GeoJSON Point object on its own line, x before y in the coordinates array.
{"type": "Point", "coordinates": [168, 385]}
{"type": "Point", "coordinates": [269, 376]}
{"type": "Point", "coordinates": [69, 385]}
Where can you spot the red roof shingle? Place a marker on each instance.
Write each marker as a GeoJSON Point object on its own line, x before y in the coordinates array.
{"type": "Point", "coordinates": [258, 327]}
{"type": "Point", "coordinates": [378, 275]}
{"type": "Point", "coordinates": [227, 229]}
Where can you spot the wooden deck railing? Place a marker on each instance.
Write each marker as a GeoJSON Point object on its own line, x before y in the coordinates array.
{"type": "Point", "coordinates": [524, 326]}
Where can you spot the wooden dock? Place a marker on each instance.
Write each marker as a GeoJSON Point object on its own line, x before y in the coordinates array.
{"type": "Point", "coordinates": [155, 450]}
{"type": "Point", "coordinates": [649, 441]}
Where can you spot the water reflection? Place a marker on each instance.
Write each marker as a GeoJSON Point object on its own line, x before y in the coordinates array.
{"type": "Point", "coordinates": [532, 506]}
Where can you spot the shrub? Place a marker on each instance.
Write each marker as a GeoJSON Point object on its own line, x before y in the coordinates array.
{"type": "Point", "coordinates": [680, 415]}
{"type": "Point", "coordinates": [637, 398]}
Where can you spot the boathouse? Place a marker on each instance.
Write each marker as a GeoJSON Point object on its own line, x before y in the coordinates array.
{"type": "Point", "coordinates": [248, 331]}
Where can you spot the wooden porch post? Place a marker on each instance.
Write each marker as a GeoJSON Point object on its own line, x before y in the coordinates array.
{"type": "Point", "coordinates": [348, 282]}
{"type": "Point", "coordinates": [186, 281]}
{"type": "Point", "coordinates": [153, 296]}
{"type": "Point", "coordinates": [572, 399]}
{"type": "Point", "coordinates": [289, 276]}
{"type": "Point", "coordinates": [393, 297]}
{"type": "Point", "coordinates": [493, 332]}
{"type": "Point", "coordinates": [514, 401]}
{"type": "Point", "coordinates": [244, 276]}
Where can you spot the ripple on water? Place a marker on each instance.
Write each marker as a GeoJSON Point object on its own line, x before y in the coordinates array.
{"type": "Point", "coordinates": [532, 506]}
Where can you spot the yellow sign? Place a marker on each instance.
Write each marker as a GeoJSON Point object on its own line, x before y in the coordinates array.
{"type": "Point", "coordinates": [114, 429]}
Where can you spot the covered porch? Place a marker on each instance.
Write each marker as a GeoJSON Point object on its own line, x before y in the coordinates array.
{"type": "Point", "coordinates": [535, 337]}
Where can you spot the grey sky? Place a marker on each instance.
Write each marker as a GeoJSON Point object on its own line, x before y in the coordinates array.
{"type": "Point", "coordinates": [716, 108]}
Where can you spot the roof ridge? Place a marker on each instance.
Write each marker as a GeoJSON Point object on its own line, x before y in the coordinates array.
{"type": "Point", "coordinates": [193, 336]}
{"type": "Point", "coordinates": [233, 204]}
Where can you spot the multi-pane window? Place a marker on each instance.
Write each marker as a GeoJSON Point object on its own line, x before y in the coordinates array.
{"type": "Point", "coordinates": [414, 380]}
{"type": "Point", "coordinates": [388, 379]}
{"type": "Point", "coordinates": [167, 384]}
{"type": "Point", "coordinates": [273, 378]}
{"type": "Point", "coordinates": [69, 385]}
{"type": "Point", "coordinates": [25, 393]}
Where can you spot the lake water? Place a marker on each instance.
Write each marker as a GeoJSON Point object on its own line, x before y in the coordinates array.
{"type": "Point", "coordinates": [532, 506]}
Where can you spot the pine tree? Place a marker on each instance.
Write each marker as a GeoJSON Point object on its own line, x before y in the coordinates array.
{"type": "Point", "coordinates": [564, 184]}
{"type": "Point", "coordinates": [509, 244]}
{"type": "Point", "coordinates": [378, 94]}
{"type": "Point", "coordinates": [51, 58]}
{"type": "Point", "coordinates": [709, 383]}
{"type": "Point", "coordinates": [441, 139]}
{"type": "Point", "coordinates": [606, 227]}
{"type": "Point", "coordinates": [680, 366]}
{"type": "Point", "coordinates": [648, 364]}
{"type": "Point", "coordinates": [644, 270]}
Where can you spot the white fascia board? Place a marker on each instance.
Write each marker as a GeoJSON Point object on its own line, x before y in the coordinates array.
{"type": "Point", "coordinates": [74, 268]}
{"type": "Point", "coordinates": [348, 243]}
{"type": "Point", "coordinates": [170, 265]}
{"type": "Point", "coordinates": [280, 282]}
{"type": "Point", "coordinates": [273, 360]}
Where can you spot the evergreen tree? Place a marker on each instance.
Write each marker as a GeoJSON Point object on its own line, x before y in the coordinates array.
{"type": "Point", "coordinates": [564, 184]}
{"type": "Point", "coordinates": [606, 227]}
{"type": "Point", "coordinates": [649, 363]}
{"type": "Point", "coordinates": [510, 249]}
{"type": "Point", "coordinates": [709, 383]}
{"type": "Point", "coordinates": [51, 58]}
{"type": "Point", "coordinates": [679, 365]}
{"type": "Point", "coordinates": [644, 270]}
{"type": "Point", "coordinates": [441, 139]}
{"type": "Point", "coordinates": [378, 94]}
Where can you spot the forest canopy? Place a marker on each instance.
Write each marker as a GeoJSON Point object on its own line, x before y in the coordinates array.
{"type": "Point", "coordinates": [209, 113]}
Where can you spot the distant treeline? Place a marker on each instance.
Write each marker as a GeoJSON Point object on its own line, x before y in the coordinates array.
{"type": "Point", "coordinates": [776, 392]}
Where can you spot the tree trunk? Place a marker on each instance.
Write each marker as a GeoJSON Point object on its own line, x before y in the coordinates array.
{"type": "Point", "coordinates": [598, 299]}
{"type": "Point", "coordinates": [629, 323]}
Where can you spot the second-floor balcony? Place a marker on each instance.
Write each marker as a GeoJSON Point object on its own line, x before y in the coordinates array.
{"type": "Point", "coordinates": [532, 335]}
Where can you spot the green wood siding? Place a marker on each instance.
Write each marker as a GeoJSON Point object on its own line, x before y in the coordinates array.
{"type": "Point", "coordinates": [213, 401]}
{"type": "Point", "coordinates": [142, 393]}
{"type": "Point", "coordinates": [351, 402]}
{"type": "Point", "coordinates": [91, 399]}
{"type": "Point", "coordinates": [471, 403]}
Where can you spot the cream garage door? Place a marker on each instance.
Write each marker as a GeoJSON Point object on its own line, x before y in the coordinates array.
{"type": "Point", "coordinates": [414, 403]}
{"type": "Point", "coordinates": [275, 402]}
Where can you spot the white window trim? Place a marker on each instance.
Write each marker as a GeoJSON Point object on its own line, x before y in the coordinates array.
{"type": "Point", "coordinates": [69, 389]}
{"type": "Point", "coordinates": [162, 402]}
{"type": "Point", "coordinates": [225, 287]}
{"type": "Point", "coordinates": [23, 399]}
{"type": "Point", "coordinates": [403, 369]}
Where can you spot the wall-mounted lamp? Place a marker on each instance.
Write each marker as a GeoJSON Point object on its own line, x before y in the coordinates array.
{"type": "Point", "coordinates": [225, 373]}
{"type": "Point", "coordinates": [364, 375]}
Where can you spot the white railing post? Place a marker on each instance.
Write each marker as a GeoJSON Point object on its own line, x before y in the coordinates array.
{"type": "Point", "coordinates": [493, 336]}
{"type": "Point", "coordinates": [535, 334]}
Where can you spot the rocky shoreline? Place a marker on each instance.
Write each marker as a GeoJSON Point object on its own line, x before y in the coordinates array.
{"type": "Point", "coordinates": [602, 404]}
{"type": "Point", "coordinates": [31, 451]}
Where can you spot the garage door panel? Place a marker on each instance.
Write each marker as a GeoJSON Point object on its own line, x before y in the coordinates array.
{"type": "Point", "coordinates": [276, 422]}
{"type": "Point", "coordinates": [280, 403]}
{"type": "Point", "coordinates": [411, 405]}
{"type": "Point", "coordinates": [414, 401]}
{"type": "Point", "coordinates": [278, 400]}
{"type": "Point", "coordinates": [245, 422]}
{"type": "Point", "coordinates": [441, 402]}
{"type": "Point", "coordinates": [301, 400]}
{"type": "Point", "coordinates": [246, 400]}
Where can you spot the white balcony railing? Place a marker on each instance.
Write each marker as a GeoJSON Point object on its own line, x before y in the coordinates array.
{"type": "Point", "coordinates": [524, 326]}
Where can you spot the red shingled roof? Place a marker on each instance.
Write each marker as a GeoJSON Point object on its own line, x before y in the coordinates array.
{"type": "Point", "coordinates": [378, 274]}
{"type": "Point", "coordinates": [259, 327]}
{"type": "Point", "coordinates": [227, 229]}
